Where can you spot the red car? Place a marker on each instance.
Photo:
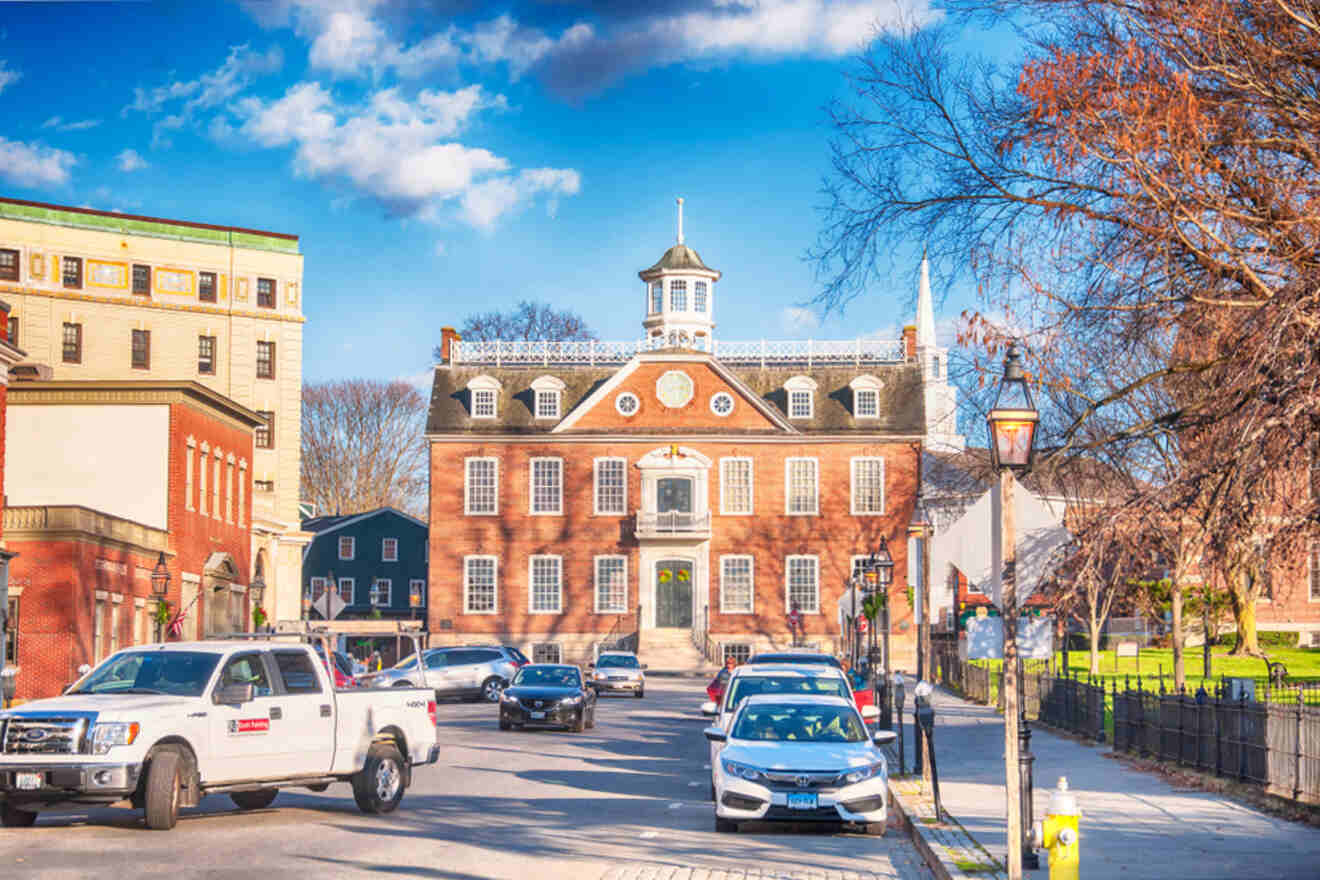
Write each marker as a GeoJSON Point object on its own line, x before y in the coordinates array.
{"type": "Point", "coordinates": [341, 669]}
{"type": "Point", "coordinates": [715, 690]}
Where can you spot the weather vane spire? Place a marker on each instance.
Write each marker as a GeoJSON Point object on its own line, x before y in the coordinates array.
{"type": "Point", "coordinates": [680, 220]}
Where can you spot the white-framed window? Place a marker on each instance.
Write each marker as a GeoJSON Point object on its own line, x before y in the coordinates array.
{"type": "Point", "coordinates": [1314, 579]}
{"type": "Point", "coordinates": [657, 297]}
{"type": "Point", "coordinates": [189, 450]}
{"type": "Point", "coordinates": [739, 651]}
{"type": "Point", "coordinates": [317, 586]}
{"type": "Point", "coordinates": [801, 392]}
{"type": "Point", "coordinates": [485, 391]}
{"type": "Point", "coordinates": [678, 296]}
{"type": "Point", "coordinates": [699, 296]}
{"type": "Point", "coordinates": [627, 404]}
{"type": "Point", "coordinates": [215, 483]}
{"type": "Point", "coordinates": [721, 404]}
{"type": "Point", "coordinates": [735, 486]}
{"type": "Point", "coordinates": [481, 494]}
{"type": "Point", "coordinates": [611, 584]}
{"type": "Point", "coordinates": [417, 586]}
{"type": "Point", "coordinates": [736, 585]}
{"type": "Point", "coordinates": [382, 591]}
{"type": "Point", "coordinates": [801, 486]}
{"type": "Point", "coordinates": [389, 549]}
{"type": "Point", "coordinates": [611, 486]}
{"type": "Point", "coordinates": [547, 652]}
{"type": "Point", "coordinates": [867, 404]}
{"type": "Point", "coordinates": [802, 584]}
{"type": "Point", "coordinates": [546, 578]}
{"type": "Point", "coordinates": [547, 489]}
{"type": "Point", "coordinates": [347, 548]}
{"type": "Point", "coordinates": [346, 587]}
{"type": "Point", "coordinates": [479, 585]}
{"type": "Point", "coordinates": [868, 486]}
{"type": "Point", "coordinates": [547, 404]}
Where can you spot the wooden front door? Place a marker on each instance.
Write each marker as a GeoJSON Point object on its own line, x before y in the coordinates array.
{"type": "Point", "coordinates": [673, 593]}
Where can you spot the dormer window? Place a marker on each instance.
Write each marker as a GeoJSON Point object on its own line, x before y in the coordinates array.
{"type": "Point", "coordinates": [678, 296]}
{"type": "Point", "coordinates": [699, 297]}
{"type": "Point", "coordinates": [801, 392]}
{"type": "Point", "coordinates": [657, 297]}
{"type": "Point", "coordinates": [547, 392]}
{"type": "Point", "coordinates": [485, 394]}
{"type": "Point", "coordinates": [866, 397]}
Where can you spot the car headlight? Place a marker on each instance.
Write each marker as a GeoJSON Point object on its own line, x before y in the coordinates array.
{"type": "Point", "coordinates": [861, 774]}
{"type": "Point", "coordinates": [742, 771]}
{"type": "Point", "coordinates": [571, 701]}
{"type": "Point", "coordinates": [506, 697]}
{"type": "Point", "coordinates": [109, 734]}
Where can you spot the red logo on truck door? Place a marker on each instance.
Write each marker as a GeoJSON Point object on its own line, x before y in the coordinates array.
{"type": "Point", "coordinates": [249, 725]}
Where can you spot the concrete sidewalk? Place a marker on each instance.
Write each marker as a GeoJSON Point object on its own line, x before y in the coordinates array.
{"type": "Point", "coordinates": [1134, 824]}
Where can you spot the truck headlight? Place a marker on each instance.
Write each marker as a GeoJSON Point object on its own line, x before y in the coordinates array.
{"type": "Point", "coordinates": [109, 734]}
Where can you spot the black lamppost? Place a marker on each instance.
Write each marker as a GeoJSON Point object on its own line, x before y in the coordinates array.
{"type": "Point", "coordinates": [160, 585]}
{"type": "Point", "coordinates": [920, 528]}
{"type": "Point", "coordinates": [256, 591]}
{"type": "Point", "coordinates": [881, 564]}
{"type": "Point", "coordinates": [1012, 423]}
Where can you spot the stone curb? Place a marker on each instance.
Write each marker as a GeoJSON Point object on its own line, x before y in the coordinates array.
{"type": "Point", "coordinates": [949, 851]}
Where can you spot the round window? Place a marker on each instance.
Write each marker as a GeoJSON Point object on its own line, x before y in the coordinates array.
{"type": "Point", "coordinates": [627, 403]}
{"type": "Point", "coordinates": [674, 389]}
{"type": "Point", "coordinates": [722, 404]}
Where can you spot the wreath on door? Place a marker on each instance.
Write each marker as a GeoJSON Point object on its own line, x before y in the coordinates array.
{"type": "Point", "coordinates": [665, 576]}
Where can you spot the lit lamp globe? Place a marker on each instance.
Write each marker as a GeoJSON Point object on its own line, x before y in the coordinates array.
{"type": "Point", "coordinates": [1013, 419]}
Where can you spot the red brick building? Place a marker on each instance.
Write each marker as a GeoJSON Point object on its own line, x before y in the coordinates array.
{"type": "Point", "coordinates": [10, 354]}
{"type": "Point", "coordinates": [105, 478]}
{"type": "Point", "coordinates": [681, 490]}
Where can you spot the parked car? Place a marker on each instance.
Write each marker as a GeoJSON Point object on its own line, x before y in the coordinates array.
{"type": "Point", "coordinates": [341, 670]}
{"type": "Point", "coordinates": [796, 758]}
{"type": "Point", "coordinates": [715, 690]}
{"type": "Point", "coordinates": [747, 681]}
{"type": "Point", "coordinates": [549, 694]}
{"type": "Point", "coordinates": [797, 657]}
{"type": "Point", "coordinates": [618, 671]}
{"type": "Point", "coordinates": [470, 672]}
{"type": "Point", "coordinates": [164, 725]}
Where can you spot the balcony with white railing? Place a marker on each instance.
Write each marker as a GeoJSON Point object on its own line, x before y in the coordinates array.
{"type": "Point", "coordinates": [673, 525]}
{"type": "Point", "coordinates": [764, 352]}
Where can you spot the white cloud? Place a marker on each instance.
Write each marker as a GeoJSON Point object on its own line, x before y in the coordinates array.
{"type": "Point", "coordinates": [398, 151]}
{"type": "Point", "coordinates": [796, 320]}
{"type": "Point", "coordinates": [8, 77]}
{"type": "Point", "coordinates": [130, 160]}
{"type": "Point", "coordinates": [58, 123]}
{"type": "Point", "coordinates": [348, 43]}
{"type": "Point", "coordinates": [33, 164]}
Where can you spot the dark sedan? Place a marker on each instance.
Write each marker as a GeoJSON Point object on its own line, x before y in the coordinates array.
{"type": "Point", "coordinates": [548, 694]}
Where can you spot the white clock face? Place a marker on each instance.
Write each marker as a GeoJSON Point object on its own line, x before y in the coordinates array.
{"type": "Point", "coordinates": [674, 389]}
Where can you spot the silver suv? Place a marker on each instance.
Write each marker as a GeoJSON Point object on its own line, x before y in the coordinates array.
{"type": "Point", "coordinates": [618, 671]}
{"type": "Point", "coordinates": [475, 672]}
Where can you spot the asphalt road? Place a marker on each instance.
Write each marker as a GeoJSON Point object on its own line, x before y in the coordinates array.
{"type": "Point", "coordinates": [625, 800]}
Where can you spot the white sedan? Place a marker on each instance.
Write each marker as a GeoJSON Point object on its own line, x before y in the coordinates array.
{"type": "Point", "coordinates": [800, 758]}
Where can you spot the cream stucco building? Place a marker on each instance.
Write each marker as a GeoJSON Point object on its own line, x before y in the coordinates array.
{"type": "Point", "coordinates": [97, 295]}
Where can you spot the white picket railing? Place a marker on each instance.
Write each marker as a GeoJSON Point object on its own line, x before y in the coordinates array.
{"type": "Point", "coordinates": [810, 352]}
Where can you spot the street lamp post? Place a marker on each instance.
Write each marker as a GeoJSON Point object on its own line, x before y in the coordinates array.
{"type": "Point", "coordinates": [882, 564]}
{"type": "Point", "coordinates": [1012, 424]}
{"type": "Point", "coordinates": [920, 528]}
{"type": "Point", "coordinates": [160, 585]}
{"type": "Point", "coordinates": [257, 590]}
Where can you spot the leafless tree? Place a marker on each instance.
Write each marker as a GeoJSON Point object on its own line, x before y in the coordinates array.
{"type": "Point", "coordinates": [527, 320]}
{"type": "Point", "coordinates": [363, 446]}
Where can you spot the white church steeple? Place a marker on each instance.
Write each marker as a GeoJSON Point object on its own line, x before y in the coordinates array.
{"type": "Point", "coordinates": [680, 297]}
{"type": "Point", "coordinates": [925, 307]}
{"type": "Point", "coordinates": [941, 397]}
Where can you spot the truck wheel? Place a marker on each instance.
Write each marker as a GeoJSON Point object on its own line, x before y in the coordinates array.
{"type": "Point", "coordinates": [13, 817]}
{"type": "Point", "coordinates": [162, 790]}
{"type": "Point", "coordinates": [491, 689]}
{"type": "Point", "coordinates": [378, 786]}
{"type": "Point", "coordinates": [254, 800]}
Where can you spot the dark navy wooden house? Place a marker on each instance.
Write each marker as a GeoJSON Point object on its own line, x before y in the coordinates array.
{"type": "Point", "coordinates": [374, 561]}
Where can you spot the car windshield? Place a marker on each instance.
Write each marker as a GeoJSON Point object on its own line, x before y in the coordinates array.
{"type": "Point", "coordinates": [745, 686]}
{"type": "Point", "coordinates": [815, 659]}
{"type": "Point", "coordinates": [788, 722]}
{"type": "Point", "coordinates": [178, 673]}
{"type": "Point", "coordinates": [620, 660]}
{"type": "Point", "coordinates": [551, 676]}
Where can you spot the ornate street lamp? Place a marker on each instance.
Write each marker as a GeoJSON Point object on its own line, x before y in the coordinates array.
{"type": "Point", "coordinates": [257, 589]}
{"type": "Point", "coordinates": [160, 585]}
{"type": "Point", "coordinates": [920, 528]}
{"type": "Point", "coordinates": [1012, 424]}
{"type": "Point", "coordinates": [881, 564]}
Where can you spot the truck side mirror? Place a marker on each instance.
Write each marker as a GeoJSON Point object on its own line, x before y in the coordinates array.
{"type": "Point", "coordinates": [233, 694]}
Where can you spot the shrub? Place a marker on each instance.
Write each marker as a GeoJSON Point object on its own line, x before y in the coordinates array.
{"type": "Point", "coordinates": [1265, 638]}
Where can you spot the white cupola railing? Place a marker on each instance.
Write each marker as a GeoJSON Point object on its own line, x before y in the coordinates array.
{"type": "Point", "coordinates": [763, 352]}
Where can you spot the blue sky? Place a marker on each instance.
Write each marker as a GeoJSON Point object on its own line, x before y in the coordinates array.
{"type": "Point", "coordinates": [439, 157]}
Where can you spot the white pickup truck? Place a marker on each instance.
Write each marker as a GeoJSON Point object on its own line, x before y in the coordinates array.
{"type": "Point", "coordinates": [162, 725]}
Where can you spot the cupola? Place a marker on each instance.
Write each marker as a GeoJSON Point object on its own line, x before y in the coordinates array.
{"type": "Point", "coordinates": [680, 297]}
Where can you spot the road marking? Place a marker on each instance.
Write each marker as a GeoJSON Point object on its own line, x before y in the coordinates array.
{"type": "Point", "coordinates": [705, 766]}
{"type": "Point", "coordinates": [693, 784]}
{"type": "Point", "coordinates": [675, 805]}
{"type": "Point", "coordinates": [649, 834]}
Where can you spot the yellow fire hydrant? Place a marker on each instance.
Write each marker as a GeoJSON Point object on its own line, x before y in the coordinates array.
{"type": "Point", "coordinates": [1058, 834]}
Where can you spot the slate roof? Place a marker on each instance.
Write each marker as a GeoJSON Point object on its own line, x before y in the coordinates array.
{"type": "Point", "coordinates": [902, 407]}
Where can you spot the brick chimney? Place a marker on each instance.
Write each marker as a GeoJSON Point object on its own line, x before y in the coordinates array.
{"type": "Point", "coordinates": [910, 341]}
{"type": "Point", "coordinates": [447, 336]}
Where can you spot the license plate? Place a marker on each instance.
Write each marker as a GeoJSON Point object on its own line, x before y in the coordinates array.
{"type": "Point", "coordinates": [801, 801]}
{"type": "Point", "coordinates": [27, 781]}
{"type": "Point", "coordinates": [538, 715]}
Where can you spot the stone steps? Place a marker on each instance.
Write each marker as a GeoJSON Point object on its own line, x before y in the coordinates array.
{"type": "Point", "coordinates": [672, 652]}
